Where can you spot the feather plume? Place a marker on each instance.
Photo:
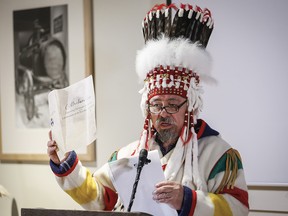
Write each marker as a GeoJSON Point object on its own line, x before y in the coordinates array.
{"type": "Point", "coordinates": [178, 52]}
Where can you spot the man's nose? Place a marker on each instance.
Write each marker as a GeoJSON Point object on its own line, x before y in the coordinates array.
{"type": "Point", "coordinates": [164, 112]}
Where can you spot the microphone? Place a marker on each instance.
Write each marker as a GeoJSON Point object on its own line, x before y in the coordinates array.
{"type": "Point", "coordinates": [141, 162]}
{"type": "Point", "coordinates": [142, 159]}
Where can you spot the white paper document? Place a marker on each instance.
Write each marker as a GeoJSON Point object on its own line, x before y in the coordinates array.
{"type": "Point", "coordinates": [123, 174]}
{"type": "Point", "coordinates": [72, 115]}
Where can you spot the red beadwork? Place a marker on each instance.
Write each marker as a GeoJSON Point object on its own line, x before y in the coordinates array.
{"type": "Point", "coordinates": [174, 77]}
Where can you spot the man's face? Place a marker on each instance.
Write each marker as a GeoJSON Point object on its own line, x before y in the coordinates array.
{"type": "Point", "coordinates": [168, 125]}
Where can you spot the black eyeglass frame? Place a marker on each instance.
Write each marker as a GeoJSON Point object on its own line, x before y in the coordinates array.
{"type": "Point", "coordinates": [164, 108]}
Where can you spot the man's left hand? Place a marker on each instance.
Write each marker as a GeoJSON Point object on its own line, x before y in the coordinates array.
{"type": "Point", "coordinates": [169, 192]}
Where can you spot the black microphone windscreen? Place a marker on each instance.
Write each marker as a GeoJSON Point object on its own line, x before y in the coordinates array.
{"type": "Point", "coordinates": [142, 157]}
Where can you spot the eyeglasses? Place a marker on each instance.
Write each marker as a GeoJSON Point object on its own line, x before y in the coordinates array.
{"type": "Point", "coordinates": [171, 109]}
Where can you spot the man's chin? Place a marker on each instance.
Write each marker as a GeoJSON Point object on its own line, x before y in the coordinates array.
{"type": "Point", "coordinates": [164, 131]}
{"type": "Point", "coordinates": [167, 134]}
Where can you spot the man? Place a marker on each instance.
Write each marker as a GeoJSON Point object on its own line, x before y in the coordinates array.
{"type": "Point", "coordinates": [204, 175]}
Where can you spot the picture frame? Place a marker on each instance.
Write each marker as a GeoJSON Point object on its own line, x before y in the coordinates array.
{"type": "Point", "coordinates": [19, 142]}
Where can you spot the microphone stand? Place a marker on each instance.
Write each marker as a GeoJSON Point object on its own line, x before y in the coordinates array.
{"type": "Point", "coordinates": [135, 185]}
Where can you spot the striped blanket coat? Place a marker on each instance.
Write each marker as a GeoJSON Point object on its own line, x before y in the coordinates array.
{"type": "Point", "coordinates": [220, 166]}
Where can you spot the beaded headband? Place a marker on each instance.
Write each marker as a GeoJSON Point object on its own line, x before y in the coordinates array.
{"type": "Point", "coordinates": [169, 80]}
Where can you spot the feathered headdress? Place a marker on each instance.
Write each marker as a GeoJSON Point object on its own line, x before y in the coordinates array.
{"type": "Point", "coordinates": [174, 53]}
{"type": "Point", "coordinates": [174, 61]}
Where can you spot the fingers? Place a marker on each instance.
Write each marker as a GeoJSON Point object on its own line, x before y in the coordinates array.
{"type": "Point", "coordinates": [162, 197]}
{"type": "Point", "coordinates": [161, 194]}
{"type": "Point", "coordinates": [166, 186]}
{"type": "Point", "coordinates": [165, 183]}
{"type": "Point", "coordinates": [169, 192]}
{"type": "Point", "coordinates": [52, 149]}
{"type": "Point", "coordinates": [51, 143]}
{"type": "Point", "coordinates": [50, 135]}
{"type": "Point", "coordinates": [52, 153]}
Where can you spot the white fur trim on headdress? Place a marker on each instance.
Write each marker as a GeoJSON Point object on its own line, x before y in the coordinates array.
{"type": "Point", "coordinates": [178, 52]}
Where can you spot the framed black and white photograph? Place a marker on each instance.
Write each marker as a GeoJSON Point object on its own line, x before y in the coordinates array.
{"type": "Point", "coordinates": [40, 56]}
{"type": "Point", "coordinates": [50, 47]}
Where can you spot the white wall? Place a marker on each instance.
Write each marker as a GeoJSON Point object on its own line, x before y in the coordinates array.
{"type": "Point", "coordinates": [117, 37]}
{"type": "Point", "coordinates": [249, 106]}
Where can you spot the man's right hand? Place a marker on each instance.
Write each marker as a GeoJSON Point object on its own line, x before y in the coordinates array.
{"type": "Point", "coordinates": [52, 150]}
